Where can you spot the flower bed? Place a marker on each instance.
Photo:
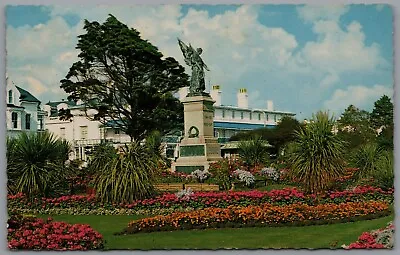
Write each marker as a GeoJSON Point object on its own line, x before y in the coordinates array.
{"type": "Point", "coordinates": [88, 204]}
{"type": "Point", "coordinates": [377, 239]}
{"type": "Point", "coordinates": [29, 233]}
{"type": "Point", "coordinates": [263, 215]}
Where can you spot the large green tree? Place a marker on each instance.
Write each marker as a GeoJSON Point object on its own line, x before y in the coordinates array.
{"type": "Point", "coordinates": [382, 114]}
{"type": "Point", "coordinates": [355, 128]}
{"type": "Point", "coordinates": [126, 79]}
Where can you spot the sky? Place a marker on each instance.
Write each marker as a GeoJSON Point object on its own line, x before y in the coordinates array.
{"type": "Point", "coordinates": [304, 58]}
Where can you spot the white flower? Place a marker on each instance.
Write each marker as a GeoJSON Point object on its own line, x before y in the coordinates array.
{"type": "Point", "coordinates": [244, 176]}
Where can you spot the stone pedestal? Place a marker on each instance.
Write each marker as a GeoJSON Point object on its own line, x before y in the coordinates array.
{"type": "Point", "coordinates": [199, 147]}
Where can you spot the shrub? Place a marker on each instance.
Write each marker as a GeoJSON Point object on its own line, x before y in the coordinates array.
{"type": "Point", "coordinates": [30, 233]}
{"type": "Point", "coordinates": [128, 177]}
{"type": "Point", "coordinates": [254, 152]}
{"type": "Point", "coordinates": [221, 172]}
{"type": "Point", "coordinates": [317, 155]}
{"type": "Point", "coordinates": [244, 177]}
{"type": "Point", "coordinates": [383, 175]}
{"type": "Point", "coordinates": [36, 164]}
{"type": "Point", "coordinates": [271, 173]}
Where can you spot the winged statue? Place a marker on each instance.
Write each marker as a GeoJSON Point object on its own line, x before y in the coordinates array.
{"type": "Point", "coordinates": [193, 59]}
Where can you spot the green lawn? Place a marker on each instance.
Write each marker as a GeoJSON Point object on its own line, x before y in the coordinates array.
{"type": "Point", "coordinates": [323, 236]}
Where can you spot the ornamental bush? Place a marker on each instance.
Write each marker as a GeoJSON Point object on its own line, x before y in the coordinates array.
{"type": "Point", "coordinates": [30, 233]}
{"type": "Point", "coordinates": [261, 215]}
{"type": "Point", "coordinates": [244, 177]}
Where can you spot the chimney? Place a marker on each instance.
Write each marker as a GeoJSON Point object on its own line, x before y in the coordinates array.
{"type": "Point", "coordinates": [242, 98]}
{"type": "Point", "coordinates": [183, 93]}
{"type": "Point", "coordinates": [270, 105]}
{"type": "Point", "coordinates": [216, 94]}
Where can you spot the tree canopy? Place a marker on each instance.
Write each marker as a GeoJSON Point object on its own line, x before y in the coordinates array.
{"type": "Point", "coordinates": [277, 136]}
{"type": "Point", "coordinates": [382, 114]}
{"type": "Point", "coordinates": [126, 79]}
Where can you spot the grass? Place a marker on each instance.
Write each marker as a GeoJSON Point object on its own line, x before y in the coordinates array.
{"type": "Point", "coordinates": [323, 236]}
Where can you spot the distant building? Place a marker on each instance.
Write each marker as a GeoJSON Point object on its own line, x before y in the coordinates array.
{"type": "Point", "coordinates": [24, 113]}
{"type": "Point", "coordinates": [84, 134]}
{"type": "Point", "coordinates": [229, 120]}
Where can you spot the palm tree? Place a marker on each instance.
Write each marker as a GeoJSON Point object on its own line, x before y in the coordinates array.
{"type": "Point", "coordinates": [254, 152]}
{"type": "Point", "coordinates": [102, 154]}
{"type": "Point", "coordinates": [36, 163]}
{"type": "Point", "coordinates": [127, 177]}
{"type": "Point", "coordinates": [366, 159]}
{"type": "Point", "coordinates": [317, 155]}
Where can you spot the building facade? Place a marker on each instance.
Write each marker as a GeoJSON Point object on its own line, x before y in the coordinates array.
{"type": "Point", "coordinates": [82, 132]}
{"type": "Point", "coordinates": [229, 120]}
{"type": "Point", "coordinates": [24, 112]}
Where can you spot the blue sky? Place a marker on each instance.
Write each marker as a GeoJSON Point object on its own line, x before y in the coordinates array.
{"type": "Point", "coordinates": [304, 58]}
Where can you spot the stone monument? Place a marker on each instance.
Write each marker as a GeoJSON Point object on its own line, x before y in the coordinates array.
{"type": "Point", "coordinates": [199, 147]}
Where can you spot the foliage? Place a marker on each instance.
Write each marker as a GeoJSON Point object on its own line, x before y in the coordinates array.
{"type": "Point", "coordinates": [382, 114]}
{"type": "Point", "coordinates": [385, 138]}
{"type": "Point", "coordinates": [30, 233]}
{"type": "Point", "coordinates": [260, 215]}
{"type": "Point", "coordinates": [354, 127]}
{"type": "Point", "coordinates": [169, 202]}
{"type": "Point", "coordinates": [254, 152]}
{"type": "Point", "coordinates": [128, 177]}
{"type": "Point", "coordinates": [36, 164]}
{"type": "Point", "coordinates": [318, 155]}
{"type": "Point", "coordinates": [222, 171]}
{"type": "Point", "coordinates": [383, 174]}
{"type": "Point", "coordinates": [278, 136]}
{"type": "Point", "coordinates": [377, 239]}
{"type": "Point", "coordinates": [366, 158]}
{"type": "Point", "coordinates": [126, 79]}
{"type": "Point", "coordinates": [101, 155]}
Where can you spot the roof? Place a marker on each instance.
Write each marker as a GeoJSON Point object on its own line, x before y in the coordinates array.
{"type": "Point", "coordinates": [15, 106]}
{"type": "Point", "coordinates": [55, 103]}
{"type": "Point", "coordinates": [26, 96]}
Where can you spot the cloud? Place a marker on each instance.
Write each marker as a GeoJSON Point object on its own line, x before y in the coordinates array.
{"type": "Point", "coordinates": [35, 86]}
{"type": "Point", "coordinates": [358, 95]}
{"type": "Point", "coordinates": [314, 13]}
{"type": "Point", "coordinates": [238, 49]}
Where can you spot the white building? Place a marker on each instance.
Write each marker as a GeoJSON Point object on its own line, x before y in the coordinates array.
{"type": "Point", "coordinates": [24, 113]}
{"type": "Point", "coordinates": [84, 134]}
{"type": "Point", "coordinates": [229, 120]}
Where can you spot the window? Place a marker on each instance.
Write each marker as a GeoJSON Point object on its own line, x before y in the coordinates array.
{"type": "Point", "coordinates": [259, 116]}
{"type": "Point", "coordinates": [223, 113]}
{"type": "Point", "coordinates": [84, 132]}
{"type": "Point", "coordinates": [233, 114]}
{"type": "Point", "coordinates": [241, 115]}
{"type": "Point", "coordinates": [275, 117]}
{"type": "Point", "coordinates": [40, 120]}
{"type": "Point", "coordinates": [62, 132]}
{"type": "Point", "coordinates": [116, 131]}
{"type": "Point", "coordinates": [267, 116]}
{"type": "Point", "coordinates": [27, 121]}
{"type": "Point", "coordinates": [10, 96]}
{"type": "Point", "coordinates": [14, 119]}
{"type": "Point", "coordinates": [251, 115]}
